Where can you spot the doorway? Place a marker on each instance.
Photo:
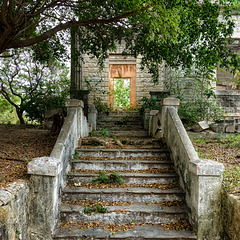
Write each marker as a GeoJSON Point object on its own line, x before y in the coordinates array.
{"type": "Point", "coordinates": [122, 86]}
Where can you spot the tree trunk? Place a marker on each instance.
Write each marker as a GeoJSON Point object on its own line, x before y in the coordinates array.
{"type": "Point", "coordinates": [20, 116]}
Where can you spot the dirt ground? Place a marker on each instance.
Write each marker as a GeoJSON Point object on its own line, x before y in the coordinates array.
{"type": "Point", "coordinates": [19, 145]}
{"type": "Point", "coordinates": [225, 151]}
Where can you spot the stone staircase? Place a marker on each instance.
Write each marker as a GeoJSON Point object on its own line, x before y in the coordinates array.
{"type": "Point", "coordinates": [149, 205]}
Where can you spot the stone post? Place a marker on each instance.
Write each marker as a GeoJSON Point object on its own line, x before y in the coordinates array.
{"type": "Point", "coordinates": [43, 196]}
{"type": "Point", "coordinates": [92, 117]}
{"type": "Point", "coordinates": [168, 102]}
{"type": "Point", "coordinates": [206, 182]}
{"type": "Point", "coordinates": [75, 103]}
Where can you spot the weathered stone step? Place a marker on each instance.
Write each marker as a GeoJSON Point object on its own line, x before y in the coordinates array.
{"type": "Point", "coordinates": [119, 113]}
{"type": "Point", "coordinates": [119, 127]}
{"type": "Point", "coordinates": [136, 212]}
{"type": "Point", "coordinates": [139, 233]}
{"type": "Point", "coordinates": [137, 194]}
{"type": "Point", "coordinates": [115, 153]}
{"type": "Point", "coordinates": [132, 133]}
{"type": "Point", "coordinates": [117, 165]}
{"type": "Point", "coordinates": [130, 178]}
{"type": "Point", "coordinates": [116, 120]}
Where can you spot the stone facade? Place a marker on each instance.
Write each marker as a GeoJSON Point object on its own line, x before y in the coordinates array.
{"type": "Point", "coordinates": [99, 80]}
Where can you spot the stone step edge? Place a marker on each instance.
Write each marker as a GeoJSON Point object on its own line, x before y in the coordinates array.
{"type": "Point", "coordinates": [122, 174]}
{"type": "Point", "coordinates": [140, 233]}
{"type": "Point", "coordinates": [132, 208]}
{"type": "Point", "coordinates": [131, 150]}
{"type": "Point", "coordinates": [117, 161]}
{"type": "Point", "coordinates": [136, 190]}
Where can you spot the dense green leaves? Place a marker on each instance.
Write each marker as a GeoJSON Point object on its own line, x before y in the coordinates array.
{"type": "Point", "coordinates": [31, 87]}
{"type": "Point", "coordinates": [180, 32]}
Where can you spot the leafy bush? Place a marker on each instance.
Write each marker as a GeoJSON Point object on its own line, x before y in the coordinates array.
{"type": "Point", "coordinates": [198, 110]}
{"type": "Point", "coordinates": [148, 103]}
{"type": "Point", "coordinates": [101, 106]}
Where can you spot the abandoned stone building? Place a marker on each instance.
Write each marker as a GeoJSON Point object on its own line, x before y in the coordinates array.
{"type": "Point", "coordinates": [89, 83]}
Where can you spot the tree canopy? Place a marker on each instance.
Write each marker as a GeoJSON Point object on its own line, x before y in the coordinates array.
{"type": "Point", "coordinates": [181, 32]}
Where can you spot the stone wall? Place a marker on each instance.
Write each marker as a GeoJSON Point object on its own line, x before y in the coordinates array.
{"type": "Point", "coordinates": [14, 218]}
{"type": "Point", "coordinates": [48, 174]}
{"type": "Point", "coordinates": [29, 210]}
{"type": "Point", "coordinates": [229, 101]}
{"type": "Point", "coordinates": [200, 178]}
{"type": "Point", "coordinates": [231, 217]}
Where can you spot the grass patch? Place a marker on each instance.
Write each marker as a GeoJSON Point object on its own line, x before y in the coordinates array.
{"type": "Point", "coordinates": [95, 208]}
{"type": "Point", "coordinates": [113, 178]}
{"type": "Point", "coordinates": [231, 179]}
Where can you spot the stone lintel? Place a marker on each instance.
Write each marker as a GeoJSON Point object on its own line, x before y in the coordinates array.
{"type": "Point", "coordinates": [206, 167]}
{"type": "Point", "coordinates": [74, 103]}
{"type": "Point", "coordinates": [46, 166]}
{"type": "Point", "coordinates": [154, 112]}
{"type": "Point", "coordinates": [170, 101]}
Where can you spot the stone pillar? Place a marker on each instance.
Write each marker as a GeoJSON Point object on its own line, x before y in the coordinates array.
{"type": "Point", "coordinates": [76, 64]}
{"type": "Point", "coordinates": [79, 105]}
{"type": "Point", "coordinates": [92, 117]}
{"type": "Point", "coordinates": [168, 102]}
{"type": "Point", "coordinates": [43, 196]}
{"type": "Point", "coordinates": [206, 182]}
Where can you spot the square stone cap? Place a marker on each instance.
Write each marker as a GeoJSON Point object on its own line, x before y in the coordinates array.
{"type": "Point", "coordinates": [170, 101]}
{"type": "Point", "coordinates": [46, 166]}
{"type": "Point", "coordinates": [206, 167]}
{"type": "Point", "coordinates": [74, 103]}
{"type": "Point", "coordinates": [154, 112]}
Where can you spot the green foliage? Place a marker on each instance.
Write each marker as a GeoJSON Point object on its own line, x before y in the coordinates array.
{"type": "Point", "coordinates": [178, 32]}
{"type": "Point", "coordinates": [198, 110]}
{"type": "Point", "coordinates": [148, 103]}
{"type": "Point", "coordinates": [196, 95]}
{"type": "Point", "coordinates": [121, 93]}
{"type": "Point", "coordinates": [96, 143]}
{"type": "Point", "coordinates": [231, 179]}
{"type": "Point", "coordinates": [100, 106]}
{"type": "Point", "coordinates": [96, 208]}
{"type": "Point", "coordinates": [232, 141]}
{"type": "Point", "coordinates": [75, 155]}
{"type": "Point", "coordinates": [113, 178]}
{"type": "Point", "coordinates": [31, 87]}
{"type": "Point", "coordinates": [104, 132]}
{"type": "Point", "coordinates": [7, 112]}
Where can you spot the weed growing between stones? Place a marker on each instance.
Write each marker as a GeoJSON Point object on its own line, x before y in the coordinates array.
{"type": "Point", "coordinates": [113, 178]}
{"type": "Point", "coordinates": [75, 155]}
{"type": "Point", "coordinates": [95, 207]}
{"type": "Point", "coordinates": [104, 132]}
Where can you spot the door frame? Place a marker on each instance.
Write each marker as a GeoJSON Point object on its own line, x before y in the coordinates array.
{"type": "Point", "coordinates": [122, 71]}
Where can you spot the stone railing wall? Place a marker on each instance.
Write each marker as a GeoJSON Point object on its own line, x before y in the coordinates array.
{"type": "Point", "coordinates": [200, 178]}
{"type": "Point", "coordinates": [48, 174]}
{"type": "Point", "coordinates": [14, 219]}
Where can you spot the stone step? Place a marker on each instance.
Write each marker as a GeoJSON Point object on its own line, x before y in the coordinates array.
{"type": "Point", "coordinates": [139, 233]}
{"type": "Point", "coordinates": [117, 165]}
{"type": "Point", "coordinates": [136, 194]}
{"type": "Point", "coordinates": [119, 113]}
{"type": "Point", "coordinates": [116, 153]}
{"type": "Point", "coordinates": [132, 133]}
{"type": "Point", "coordinates": [129, 178]}
{"type": "Point", "coordinates": [137, 212]}
{"type": "Point", "coordinates": [119, 127]}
